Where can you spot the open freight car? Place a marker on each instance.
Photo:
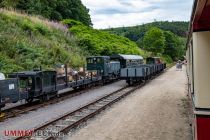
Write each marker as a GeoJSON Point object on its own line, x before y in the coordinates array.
{"type": "Point", "coordinates": [42, 85]}
{"type": "Point", "coordinates": [140, 72]}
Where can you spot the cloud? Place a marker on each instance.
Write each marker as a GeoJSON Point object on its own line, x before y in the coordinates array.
{"type": "Point", "coordinates": [118, 13]}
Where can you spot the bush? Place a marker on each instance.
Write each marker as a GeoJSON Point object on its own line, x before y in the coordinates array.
{"type": "Point", "coordinates": [98, 42]}
{"type": "Point", "coordinates": [46, 45]}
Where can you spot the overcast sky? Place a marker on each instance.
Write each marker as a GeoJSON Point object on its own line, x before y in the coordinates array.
{"type": "Point", "coordinates": [116, 13]}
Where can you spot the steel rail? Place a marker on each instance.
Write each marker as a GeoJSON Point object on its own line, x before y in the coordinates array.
{"type": "Point", "coordinates": [68, 122]}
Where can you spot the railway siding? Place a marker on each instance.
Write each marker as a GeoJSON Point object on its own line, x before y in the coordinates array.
{"type": "Point", "coordinates": [42, 115]}
{"type": "Point", "coordinates": [158, 110]}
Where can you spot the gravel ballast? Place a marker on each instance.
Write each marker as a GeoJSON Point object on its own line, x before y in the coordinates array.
{"type": "Point", "coordinates": [157, 111]}
{"type": "Point", "coordinates": [36, 118]}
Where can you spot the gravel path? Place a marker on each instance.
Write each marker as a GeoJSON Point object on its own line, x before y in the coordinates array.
{"type": "Point", "coordinates": [158, 111]}
{"type": "Point", "coordinates": [42, 115]}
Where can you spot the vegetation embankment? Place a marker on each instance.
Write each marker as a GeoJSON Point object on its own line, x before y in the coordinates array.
{"type": "Point", "coordinates": [27, 42]}
{"type": "Point", "coordinates": [31, 41]}
{"type": "Point", "coordinates": [162, 38]}
{"type": "Point", "coordinates": [100, 42]}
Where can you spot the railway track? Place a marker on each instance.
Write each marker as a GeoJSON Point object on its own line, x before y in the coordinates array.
{"type": "Point", "coordinates": [68, 123]}
{"type": "Point", "coordinates": [61, 126]}
{"type": "Point", "coordinates": [24, 108]}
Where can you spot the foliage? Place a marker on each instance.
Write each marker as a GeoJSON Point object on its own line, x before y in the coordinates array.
{"type": "Point", "coordinates": [100, 42]}
{"type": "Point", "coordinates": [174, 32]}
{"type": "Point", "coordinates": [174, 45]}
{"type": "Point", "coordinates": [181, 47]}
{"type": "Point", "coordinates": [167, 59]}
{"type": "Point", "coordinates": [27, 42]}
{"type": "Point", "coordinates": [154, 41]}
{"type": "Point", "coordinates": [52, 9]}
{"type": "Point", "coordinates": [136, 32]}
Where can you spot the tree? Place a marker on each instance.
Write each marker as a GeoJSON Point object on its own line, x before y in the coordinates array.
{"type": "Point", "coordinates": [171, 48]}
{"type": "Point", "coordinates": [52, 9]}
{"type": "Point", "coordinates": [154, 41]}
{"type": "Point", "coordinates": [174, 45]}
{"type": "Point", "coordinates": [181, 47]}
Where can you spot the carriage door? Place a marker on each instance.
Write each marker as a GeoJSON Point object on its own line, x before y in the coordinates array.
{"type": "Point", "coordinates": [38, 84]}
{"type": "Point", "coordinates": [107, 67]}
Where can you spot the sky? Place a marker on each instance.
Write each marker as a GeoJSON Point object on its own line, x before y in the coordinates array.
{"type": "Point", "coordinates": [118, 13]}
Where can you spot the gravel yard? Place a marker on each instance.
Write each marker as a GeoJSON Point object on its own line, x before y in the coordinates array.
{"type": "Point", "coordinates": [158, 111]}
{"type": "Point", "coordinates": [35, 118]}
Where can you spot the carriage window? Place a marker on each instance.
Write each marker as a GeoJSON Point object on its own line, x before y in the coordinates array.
{"type": "Point", "coordinates": [99, 60]}
{"type": "Point", "coordinates": [25, 83]}
{"type": "Point", "coordinates": [90, 61]}
{"type": "Point", "coordinates": [30, 81]}
{"type": "Point", "coordinates": [128, 62]}
{"type": "Point", "coordinates": [150, 61]}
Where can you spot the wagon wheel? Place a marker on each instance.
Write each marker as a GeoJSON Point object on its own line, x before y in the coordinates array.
{"type": "Point", "coordinates": [29, 100]}
{"type": "Point", "coordinates": [2, 115]}
{"type": "Point", "coordinates": [129, 82]}
{"type": "Point", "coordinates": [75, 88]}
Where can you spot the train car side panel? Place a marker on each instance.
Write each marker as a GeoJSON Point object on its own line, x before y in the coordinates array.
{"type": "Point", "coordinates": [201, 51]}
{"type": "Point", "coordinates": [9, 91]}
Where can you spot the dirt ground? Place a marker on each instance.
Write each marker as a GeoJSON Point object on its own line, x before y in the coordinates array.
{"type": "Point", "coordinates": [158, 111]}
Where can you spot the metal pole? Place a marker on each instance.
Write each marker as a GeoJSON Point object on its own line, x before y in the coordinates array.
{"type": "Point", "coordinates": [66, 75]}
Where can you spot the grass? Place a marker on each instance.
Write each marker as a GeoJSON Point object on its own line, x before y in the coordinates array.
{"type": "Point", "coordinates": [28, 41]}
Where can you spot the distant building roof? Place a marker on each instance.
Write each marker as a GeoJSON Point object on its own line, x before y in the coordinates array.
{"type": "Point", "coordinates": [126, 57]}
{"type": "Point", "coordinates": [98, 57]}
{"type": "Point", "coordinates": [29, 73]}
{"type": "Point", "coordinates": [154, 57]}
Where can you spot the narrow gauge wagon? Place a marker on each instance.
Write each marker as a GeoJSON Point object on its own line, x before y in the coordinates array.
{"type": "Point", "coordinates": [36, 84]}
{"type": "Point", "coordinates": [32, 85]}
{"type": "Point", "coordinates": [155, 64]}
{"type": "Point", "coordinates": [45, 84]}
{"type": "Point", "coordinates": [9, 89]}
{"type": "Point", "coordinates": [140, 72]}
{"type": "Point", "coordinates": [128, 60]}
{"type": "Point", "coordinates": [107, 68]}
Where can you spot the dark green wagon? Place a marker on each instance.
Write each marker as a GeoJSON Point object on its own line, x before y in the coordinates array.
{"type": "Point", "coordinates": [36, 84]}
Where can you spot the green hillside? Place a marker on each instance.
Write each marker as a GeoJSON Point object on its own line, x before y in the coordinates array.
{"type": "Point", "coordinates": [173, 39]}
{"type": "Point", "coordinates": [27, 42]}
{"type": "Point", "coordinates": [100, 42]}
{"type": "Point", "coordinates": [134, 33]}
